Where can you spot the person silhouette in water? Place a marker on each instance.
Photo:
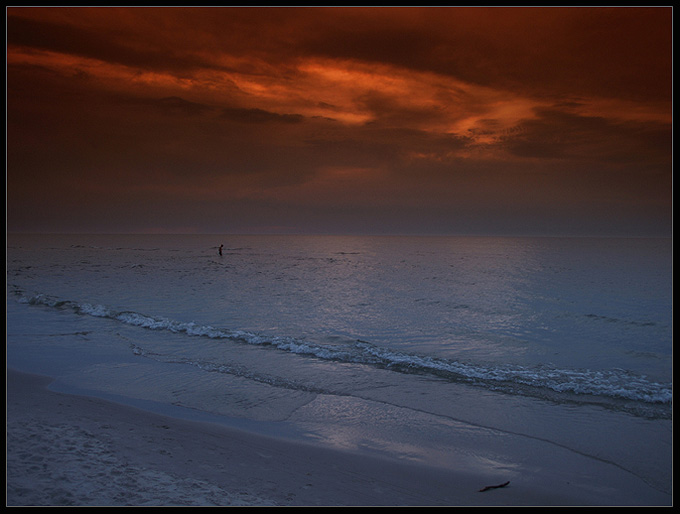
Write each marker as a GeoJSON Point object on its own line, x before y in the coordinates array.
{"type": "Point", "coordinates": [220, 249]}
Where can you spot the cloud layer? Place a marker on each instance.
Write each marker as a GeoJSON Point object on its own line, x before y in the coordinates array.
{"type": "Point", "coordinates": [375, 120]}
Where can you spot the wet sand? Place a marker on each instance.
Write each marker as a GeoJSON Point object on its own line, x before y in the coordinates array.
{"type": "Point", "coordinates": [66, 449]}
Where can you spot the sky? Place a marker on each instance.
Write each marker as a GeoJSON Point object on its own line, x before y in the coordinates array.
{"type": "Point", "coordinates": [320, 120]}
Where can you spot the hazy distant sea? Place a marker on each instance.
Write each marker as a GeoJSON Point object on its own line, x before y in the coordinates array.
{"type": "Point", "coordinates": [375, 344]}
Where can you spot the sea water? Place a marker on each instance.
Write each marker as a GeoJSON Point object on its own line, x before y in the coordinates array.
{"type": "Point", "coordinates": [383, 345]}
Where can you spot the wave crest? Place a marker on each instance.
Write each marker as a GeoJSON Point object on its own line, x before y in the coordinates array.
{"type": "Point", "coordinates": [613, 384]}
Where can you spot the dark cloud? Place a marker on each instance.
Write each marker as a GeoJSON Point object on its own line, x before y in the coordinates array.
{"type": "Point", "coordinates": [620, 51]}
{"type": "Point", "coordinates": [114, 45]}
{"type": "Point", "coordinates": [557, 134]}
{"type": "Point", "coordinates": [170, 105]}
{"type": "Point", "coordinates": [258, 116]}
{"type": "Point", "coordinates": [433, 120]}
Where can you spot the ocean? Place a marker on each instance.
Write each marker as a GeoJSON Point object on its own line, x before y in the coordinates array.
{"type": "Point", "coordinates": [382, 345]}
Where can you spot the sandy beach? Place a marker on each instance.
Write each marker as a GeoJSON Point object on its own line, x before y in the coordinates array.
{"type": "Point", "coordinates": [73, 450]}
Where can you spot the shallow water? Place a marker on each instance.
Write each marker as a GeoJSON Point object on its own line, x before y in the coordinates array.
{"type": "Point", "coordinates": [378, 344]}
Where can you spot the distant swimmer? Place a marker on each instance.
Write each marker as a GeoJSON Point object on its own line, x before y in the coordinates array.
{"type": "Point", "coordinates": [220, 250]}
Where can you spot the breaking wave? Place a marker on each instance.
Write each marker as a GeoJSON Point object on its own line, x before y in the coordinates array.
{"type": "Point", "coordinates": [614, 385]}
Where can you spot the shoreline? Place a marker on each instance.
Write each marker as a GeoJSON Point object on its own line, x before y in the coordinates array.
{"type": "Point", "coordinates": [65, 449]}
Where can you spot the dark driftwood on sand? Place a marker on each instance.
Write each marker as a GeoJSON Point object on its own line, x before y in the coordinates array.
{"type": "Point", "coordinates": [493, 486]}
